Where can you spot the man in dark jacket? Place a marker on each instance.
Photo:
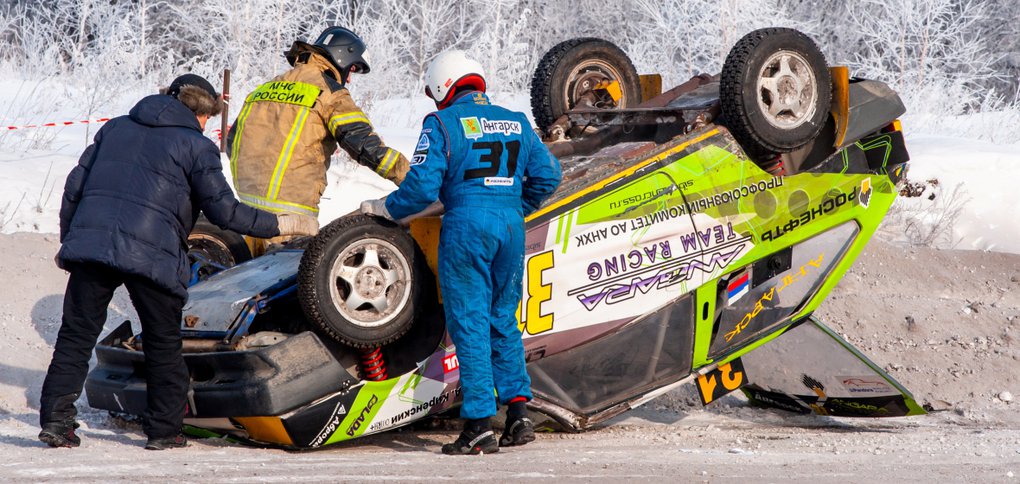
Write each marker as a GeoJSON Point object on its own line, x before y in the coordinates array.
{"type": "Point", "coordinates": [125, 217]}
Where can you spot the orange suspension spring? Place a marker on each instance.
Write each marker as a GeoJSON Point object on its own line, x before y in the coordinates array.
{"type": "Point", "coordinates": [774, 166]}
{"type": "Point", "coordinates": [373, 366]}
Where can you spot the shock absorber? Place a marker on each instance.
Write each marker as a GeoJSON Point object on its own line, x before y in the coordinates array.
{"type": "Point", "coordinates": [373, 366]}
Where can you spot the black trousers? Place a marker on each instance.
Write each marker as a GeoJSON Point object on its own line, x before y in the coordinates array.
{"type": "Point", "coordinates": [89, 291]}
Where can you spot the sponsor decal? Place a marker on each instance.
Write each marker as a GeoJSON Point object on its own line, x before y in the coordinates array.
{"type": "Point", "coordinates": [865, 197]}
{"type": "Point", "coordinates": [424, 407]}
{"type": "Point", "coordinates": [720, 381]}
{"type": "Point", "coordinates": [480, 98]}
{"type": "Point", "coordinates": [420, 409]}
{"type": "Point", "coordinates": [423, 143]}
{"type": "Point", "coordinates": [472, 128]}
{"type": "Point", "coordinates": [647, 256]}
{"type": "Point", "coordinates": [857, 407]}
{"type": "Point", "coordinates": [641, 273]}
{"type": "Point", "coordinates": [766, 399]}
{"type": "Point", "coordinates": [649, 195]}
{"type": "Point", "coordinates": [418, 159]}
{"type": "Point", "coordinates": [819, 389]}
{"type": "Point", "coordinates": [450, 363]}
{"type": "Point", "coordinates": [740, 286]}
{"type": "Point", "coordinates": [698, 205]}
{"type": "Point", "coordinates": [666, 214]}
{"type": "Point", "coordinates": [865, 385]}
{"type": "Point", "coordinates": [475, 128]}
{"type": "Point", "coordinates": [499, 126]}
{"type": "Point", "coordinates": [358, 422]}
{"type": "Point", "coordinates": [788, 280]}
{"type": "Point", "coordinates": [634, 259]}
{"type": "Point", "coordinates": [690, 241]}
{"type": "Point", "coordinates": [600, 234]}
{"type": "Point", "coordinates": [827, 206]}
{"type": "Point", "coordinates": [499, 181]}
{"type": "Point", "coordinates": [534, 354]}
{"type": "Point", "coordinates": [331, 425]}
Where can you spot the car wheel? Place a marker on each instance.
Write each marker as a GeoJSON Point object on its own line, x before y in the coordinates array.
{"type": "Point", "coordinates": [573, 68]}
{"type": "Point", "coordinates": [775, 91]}
{"type": "Point", "coordinates": [212, 249]}
{"type": "Point", "coordinates": [358, 281]}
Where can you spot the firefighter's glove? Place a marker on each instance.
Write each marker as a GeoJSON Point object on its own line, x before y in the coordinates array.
{"type": "Point", "coordinates": [377, 208]}
{"type": "Point", "coordinates": [297, 224]}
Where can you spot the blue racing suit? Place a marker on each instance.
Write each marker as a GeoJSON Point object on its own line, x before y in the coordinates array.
{"type": "Point", "coordinates": [489, 169]}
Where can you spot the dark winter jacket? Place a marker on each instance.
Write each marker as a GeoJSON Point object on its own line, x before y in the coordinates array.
{"type": "Point", "coordinates": [136, 193]}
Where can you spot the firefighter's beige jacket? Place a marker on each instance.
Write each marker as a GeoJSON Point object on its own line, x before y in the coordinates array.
{"type": "Point", "coordinates": [281, 143]}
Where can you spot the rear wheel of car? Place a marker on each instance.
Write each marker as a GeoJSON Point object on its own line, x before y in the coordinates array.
{"type": "Point", "coordinates": [358, 281]}
{"type": "Point", "coordinates": [775, 91]}
{"type": "Point", "coordinates": [212, 249]}
{"type": "Point", "coordinates": [575, 67]}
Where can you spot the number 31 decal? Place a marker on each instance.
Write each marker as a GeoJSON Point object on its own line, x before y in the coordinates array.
{"type": "Point", "coordinates": [493, 157]}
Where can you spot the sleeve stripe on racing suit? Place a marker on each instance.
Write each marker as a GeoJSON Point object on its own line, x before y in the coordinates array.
{"type": "Point", "coordinates": [349, 118]}
{"type": "Point", "coordinates": [286, 154]}
{"type": "Point", "coordinates": [387, 162]}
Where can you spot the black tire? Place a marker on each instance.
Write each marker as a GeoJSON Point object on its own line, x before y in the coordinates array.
{"type": "Point", "coordinates": [213, 248]}
{"type": "Point", "coordinates": [747, 100]}
{"type": "Point", "coordinates": [324, 292]}
{"type": "Point", "coordinates": [557, 74]}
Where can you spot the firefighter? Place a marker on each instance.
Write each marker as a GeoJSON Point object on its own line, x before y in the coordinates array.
{"type": "Point", "coordinates": [490, 170]}
{"type": "Point", "coordinates": [281, 142]}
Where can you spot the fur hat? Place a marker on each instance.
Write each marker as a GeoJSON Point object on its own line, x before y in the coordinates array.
{"type": "Point", "coordinates": [196, 93]}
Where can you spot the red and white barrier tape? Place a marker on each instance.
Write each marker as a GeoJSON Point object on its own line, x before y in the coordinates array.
{"type": "Point", "coordinates": [215, 132]}
{"type": "Point", "coordinates": [59, 123]}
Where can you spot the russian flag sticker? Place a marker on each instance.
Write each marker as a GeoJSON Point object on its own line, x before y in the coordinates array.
{"type": "Point", "coordinates": [738, 287]}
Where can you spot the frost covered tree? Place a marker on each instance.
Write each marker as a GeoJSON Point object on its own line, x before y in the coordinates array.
{"type": "Point", "coordinates": [929, 50]}
{"type": "Point", "coordinates": [944, 56]}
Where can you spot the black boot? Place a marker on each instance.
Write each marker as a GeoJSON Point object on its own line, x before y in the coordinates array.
{"type": "Point", "coordinates": [164, 443]}
{"type": "Point", "coordinates": [60, 434]}
{"type": "Point", "coordinates": [57, 420]}
{"type": "Point", "coordinates": [477, 438]}
{"type": "Point", "coordinates": [519, 428]}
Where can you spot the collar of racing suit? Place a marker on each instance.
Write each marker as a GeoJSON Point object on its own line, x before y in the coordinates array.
{"type": "Point", "coordinates": [470, 97]}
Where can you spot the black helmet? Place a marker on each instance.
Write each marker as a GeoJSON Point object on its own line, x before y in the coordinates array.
{"type": "Point", "coordinates": [343, 48]}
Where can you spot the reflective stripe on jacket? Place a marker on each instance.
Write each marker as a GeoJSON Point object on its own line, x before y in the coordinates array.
{"type": "Point", "coordinates": [281, 142]}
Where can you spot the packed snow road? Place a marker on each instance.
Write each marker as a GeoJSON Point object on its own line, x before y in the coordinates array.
{"type": "Point", "coordinates": [944, 323]}
{"type": "Point", "coordinates": [703, 446]}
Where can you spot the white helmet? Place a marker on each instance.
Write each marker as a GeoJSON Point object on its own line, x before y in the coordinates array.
{"type": "Point", "coordinates": [449, 70]}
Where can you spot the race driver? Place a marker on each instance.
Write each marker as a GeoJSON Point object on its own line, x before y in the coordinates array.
{"type": "Point", "coordinates": [489, 169]}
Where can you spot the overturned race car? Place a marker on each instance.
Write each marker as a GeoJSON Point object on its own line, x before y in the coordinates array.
{"type": "Point", "coordinates": [694, 234]}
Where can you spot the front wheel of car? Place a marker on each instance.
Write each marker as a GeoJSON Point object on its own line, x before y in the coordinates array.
{"type": "Point", "coordinates": [358, 281]}
{"type": "Point", "coordinates": [775, 91]}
